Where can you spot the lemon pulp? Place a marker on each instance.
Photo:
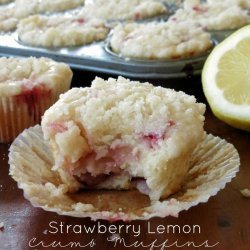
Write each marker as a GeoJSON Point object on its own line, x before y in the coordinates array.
{"type": "Point", "coordinates": [233, 76]}
{"type": "Point", "coordinates": [226, 79]}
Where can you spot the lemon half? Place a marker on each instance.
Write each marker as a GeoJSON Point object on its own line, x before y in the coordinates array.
{"type": "Point", "coordinates": [226, 79]}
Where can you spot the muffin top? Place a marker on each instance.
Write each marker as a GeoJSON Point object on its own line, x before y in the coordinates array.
{"type": "Point", "coordinates": [24, 8]}
{"type": "Point", "coordinates": [18, 74]}
{"type": "Point", "coordinates": [60, 30]}
{"type": "Point", "coordinates": [8, 21]}
{"type": "Point", "coordinates": [124, 110]}
{"type": "Point", "coordinates": [242, 3]}
{"type": "Point", "coordinates": [123, 9]}
{"type": "Point", "coordinates": [212, 15]}
{"type": "Point", "coordinates": [160, 40]}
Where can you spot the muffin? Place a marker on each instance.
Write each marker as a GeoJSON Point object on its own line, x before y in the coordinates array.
{"type": "Point", "coordinates": [242, 3]}
{"type": "Point", "coordinates": [159, 40]}
{"type": "Point", "coordinates": [24, 8]}
{"type": "Point", "coordinates": [5, 1]}
{"type": "Point", "coordinates": [28, 86]}
{"type": "Point", "coordinates": [212, 16]}
{"type": "Point", "coordinates": [11, 15]}
{"type": "Point", "coordinates": [123, 9]}
{"type": "Point", "coordinates": [123, 135]}
{"type": "Point", "coordinates": [8, 21]}
{"type": "Point", "coordinates": [59, 31]}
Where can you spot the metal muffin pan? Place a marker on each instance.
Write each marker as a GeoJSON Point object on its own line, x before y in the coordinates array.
{"type": "Point", "coordinates": [98, 57]}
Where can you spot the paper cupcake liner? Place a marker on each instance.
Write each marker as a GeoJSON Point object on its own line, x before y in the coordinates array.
{"type": "Point", "coordinates": [23, 111]}
{"type": "Point", "coordinates": [214, 163]}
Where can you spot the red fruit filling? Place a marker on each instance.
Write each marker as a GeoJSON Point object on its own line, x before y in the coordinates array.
{"type": "Point", "coordinates": [91, 170]}
{"type": "Point", "coordinates": [32, 96]}
{"type": "Point", "coordinates": [57, 127]}
{"type": "Point", "coordinates": [95, 168]}
{"type": "Point", "coordinates": [200, 9]}
{"type": "Point", "coordinates": [174, 19]}
{"type": "Point", "coordinates": [81, 20]}
{"type": "Point", "coordinates": [137, 16]}
{"type": "Point", "coordinates": [90, 181]}
{"type": "Point", "coordinates": [153, 139]}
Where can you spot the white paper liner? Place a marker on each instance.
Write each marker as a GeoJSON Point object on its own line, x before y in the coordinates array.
{"type": "Point", "coordinates": [214, 163]}
{"type": "Point", "coordinates": [17, 114]}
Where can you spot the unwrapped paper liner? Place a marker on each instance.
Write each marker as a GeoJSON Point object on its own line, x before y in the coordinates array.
{"type": "Point", "coordinates": [214, 163]}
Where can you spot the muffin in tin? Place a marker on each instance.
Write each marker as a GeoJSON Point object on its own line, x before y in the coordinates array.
{"type": "Point", "coordinates": [212, 16]}
{"type": "Point", "coordinates": [8, 21]}
{"type": "Point", "coordinates": [245, 4]}
{"type": "Point", "coordinates": [123, 9]}
{"type": "Point", "coordinates": [60, 31]}
{"type": "Point", "coordinates": [28, 86]}
{"type": "Point", "coordinates": [119, 134]}
{"type": "Point", "coordinates": [10, 15]}
{"type": "Point", "coordinates": [24, 8]}
{"type": "Point", "coordinates": [160, 40]}
{"type": "Point", "coordinates": [5, 1]}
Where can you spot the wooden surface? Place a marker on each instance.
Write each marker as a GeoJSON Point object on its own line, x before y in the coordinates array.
{"type": "Point", "coordinates": [224, 220]}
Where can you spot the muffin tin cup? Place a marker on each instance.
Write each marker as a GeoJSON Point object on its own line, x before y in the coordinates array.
{"type": "Point", "coordinates": [214, 163]}
{"type": "Point", "coordinates": [98, 57]}
{"type": "Point", "coordinates": [188, 59]}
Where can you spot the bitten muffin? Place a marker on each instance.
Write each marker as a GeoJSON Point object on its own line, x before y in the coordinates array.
{"type": "Point", "coordinates": [58, 31]}
{"type": "Point", "coordinates": [119, 134]}
{"type": "Point", "coordinates": [28, 86]}
{"type": "Point", "coordinates": [160, 40]}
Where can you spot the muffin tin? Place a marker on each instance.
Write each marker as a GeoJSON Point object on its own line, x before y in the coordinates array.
{"type": "Point", "coordinates": [99, 58]}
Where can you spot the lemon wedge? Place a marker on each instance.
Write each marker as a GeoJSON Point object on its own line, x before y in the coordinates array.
{"type": "Point", "coordinates": [226, 79]}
